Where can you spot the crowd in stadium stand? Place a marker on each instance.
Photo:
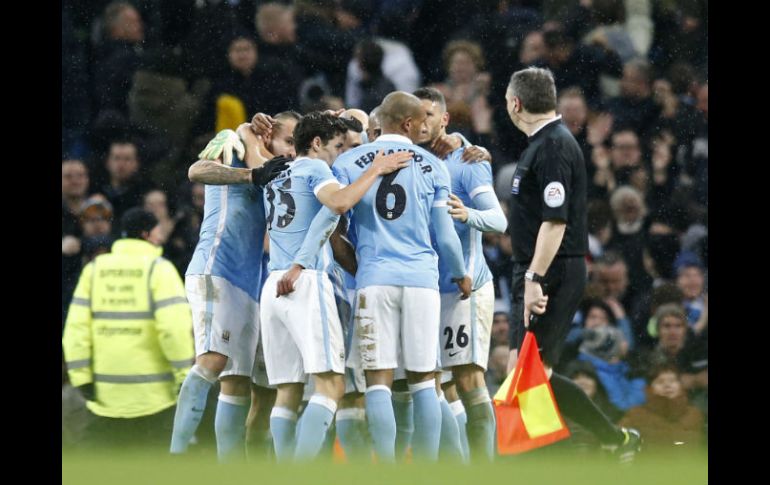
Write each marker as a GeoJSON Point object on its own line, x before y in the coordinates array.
{"type": "Point", "coordinates": [145, 84]}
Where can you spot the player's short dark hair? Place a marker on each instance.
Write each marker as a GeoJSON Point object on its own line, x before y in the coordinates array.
{"type": "Point", "coordinates": [136, 221]}
{"type": "Point", "coordinates": [353, 124]}
{"type": "Point", "coordinates": [317, 124]}
{"type": "Point", "coordinates": [535, 88]}
{"type": "Point", "coordinates": [431, 94]}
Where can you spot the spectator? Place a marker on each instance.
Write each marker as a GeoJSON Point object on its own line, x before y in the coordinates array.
{"type": "Point", "coordinates": [501, 323]}
{"type": "Point", "coordinates": [690, 280]}
{"type": "Point", "coordinates": [96, 226]}
{"type": "Point", "coordinates": [574, 114]}
{"type": "Point", "coordinates": [628, 236]}
{"type": "Point", "coordinates": [496, 370]}
{"type": "Point", "coordinates": [374, 86]}
{"type": "Point", "coordinates": [155, 202]}
{"type": "Point", "coordinates": [126, 186]}
{"type": "Point", "coordinates": [250, 86]}
{"type": "Point", "coordinates": [466, 89]}
{"type": "Point", "coordinates": [605, 348]}
{"type": "Point", "coordinates": [611, 274]}
{"type": "Point", "coordinates": [635, 108]}
{"type": "Point", "coordinates": [667, 420]}
{"type": "Point", "coordinates": [118, 57]}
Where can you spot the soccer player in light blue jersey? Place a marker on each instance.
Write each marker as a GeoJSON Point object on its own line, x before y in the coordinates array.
{"type": "Point", "coordinates": [301, 330]}
{"type": "Point", "coordinates": [466, 324]}
{"type": "Point", "coordinates": [397, 298]}
{"type": "Point", "coordinates": [223, 283]}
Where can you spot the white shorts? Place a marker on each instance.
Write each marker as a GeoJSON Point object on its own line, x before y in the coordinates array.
{"type": "Point", "coordinates": [396, 325]}
{"type": "Point", "coordinates": [301, 331]}
{"type": "Point", "coordinates": [400, 373]}
{"type": "Point", "coordinates": [225, 320]}
{"type": "Point", "coordinates": [466, 327]}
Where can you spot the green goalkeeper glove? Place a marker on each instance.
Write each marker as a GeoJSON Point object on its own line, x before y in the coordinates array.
{"type": "Point", "coordinates": [222, 146]}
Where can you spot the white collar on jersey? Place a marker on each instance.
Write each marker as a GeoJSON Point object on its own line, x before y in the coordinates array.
{"type": "Point", "coordinates": [395, 137]}
{"type": "Point", "coordinates": [557, 117]}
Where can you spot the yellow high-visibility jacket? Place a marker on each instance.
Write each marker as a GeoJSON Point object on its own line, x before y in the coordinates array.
{"type": "Point", "coordinates": [129, 331]}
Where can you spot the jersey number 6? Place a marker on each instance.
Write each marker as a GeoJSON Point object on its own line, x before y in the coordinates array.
{"type": "Point", "coordinates": [387, 187]}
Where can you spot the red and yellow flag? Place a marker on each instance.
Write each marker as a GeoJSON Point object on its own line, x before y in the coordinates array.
{"type": "Point", "coordinates": [526, 411]}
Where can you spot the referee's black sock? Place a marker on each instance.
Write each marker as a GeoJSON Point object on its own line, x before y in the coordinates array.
{"type": "Point", "coordinates": [577, 406]}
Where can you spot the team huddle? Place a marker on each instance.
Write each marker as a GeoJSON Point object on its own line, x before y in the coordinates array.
{"type": "Point", "coordinates": [375, 285]}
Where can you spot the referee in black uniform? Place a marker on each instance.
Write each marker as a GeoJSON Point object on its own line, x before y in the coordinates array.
{"type": "Point", "coordinates": [550, 241]}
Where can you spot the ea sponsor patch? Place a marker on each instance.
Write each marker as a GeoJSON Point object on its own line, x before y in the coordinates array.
{"type": "Point", "coordinates": [515, 185]}
{"type": "Point", "coordinates": [553, 195]}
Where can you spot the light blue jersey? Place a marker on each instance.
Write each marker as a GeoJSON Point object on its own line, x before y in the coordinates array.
{"type": "Point", "coordinates": [468, 180]}
{"type": "Point", "coordinates": [232, 236]}
{"type": "Point", "coordinates": [393, 242]}
{"type": "Point", "coordinates": [291, 205]}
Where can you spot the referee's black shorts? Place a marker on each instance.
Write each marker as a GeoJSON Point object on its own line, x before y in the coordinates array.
{"type": "Point", "coordinates": [564, 284]}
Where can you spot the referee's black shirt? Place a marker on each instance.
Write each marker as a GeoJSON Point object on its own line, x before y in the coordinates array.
{"type": "Point", "coordinates": [549, 185]}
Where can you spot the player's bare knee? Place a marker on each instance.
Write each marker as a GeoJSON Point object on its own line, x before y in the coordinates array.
{"type": "Point", "coordinates": [450, 391]}
{"type": "Point", "coordinates": [382, 377]}
{"type": "Point", "coordinates": [289, 395]}
{"type": "Point", "coordinates": [468, 377]}
{"type": "Point", "coordinates": [235, 385]}
{"type": "Point", "coordinates": [212, 361]}
{"type": "Point", "coordinates": [417, 377]}
{"type": "Point", "coordinates": [331, 385]}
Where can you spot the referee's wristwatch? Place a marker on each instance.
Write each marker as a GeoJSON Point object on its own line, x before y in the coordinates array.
{"type": "Point", "coordinates": [533, 277]}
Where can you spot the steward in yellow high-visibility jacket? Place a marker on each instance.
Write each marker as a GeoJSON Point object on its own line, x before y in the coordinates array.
{"type": "Point", "coordinates": [129, 328]}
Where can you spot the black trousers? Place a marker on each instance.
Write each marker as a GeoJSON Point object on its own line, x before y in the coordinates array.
{"type": "Point", "coordinates": [153, 431]}
{"type": "Point", "coordinates": [564, 284]}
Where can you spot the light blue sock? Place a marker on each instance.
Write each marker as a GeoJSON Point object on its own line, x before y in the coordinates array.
{"type": "Point", "coordinates": [427, 421]}
{"type": "Point", "coordinates": [462, 419]}
{"type": "Point", "coordinates": [403, 408]}
{"type": "Point", "coordinates": [481, 423]}
{"type": "Point", "coordinates": [382, 422]}
{"type": "Point", "coordinates": [230, 427]}
{"type": "Point", "coordinates": [350, 431]}
{"type": "Point", "coordinates": [190, 406]}
{"type": "Point", "coordinates": [283, 423]}
{"type": "Point", "coordinates": [316, 419]}
{"type": "Point", "coordinates": [450, 446]}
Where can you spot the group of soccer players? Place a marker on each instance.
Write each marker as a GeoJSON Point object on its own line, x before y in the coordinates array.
{"type": "Point", "coordinates": [377, 284]}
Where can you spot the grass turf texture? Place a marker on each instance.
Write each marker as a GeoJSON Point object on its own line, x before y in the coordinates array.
{"type": "Point", "coordinates": [540, 467]}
